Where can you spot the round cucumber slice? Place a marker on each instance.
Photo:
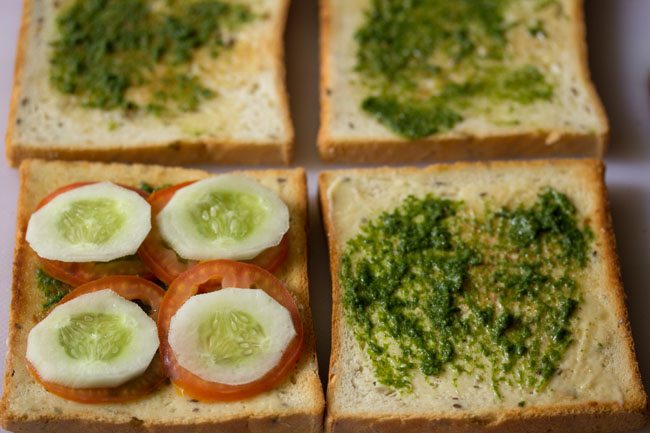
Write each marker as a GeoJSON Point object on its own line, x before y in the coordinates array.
{"type": "Point", "coordinates": [95, 340]}
{"type": "Point", "coordinates": [99, 222]}
{"type": "Point", "coordinates": [223, 217]}
{"type": "Point", "coordinates": [231, 336]}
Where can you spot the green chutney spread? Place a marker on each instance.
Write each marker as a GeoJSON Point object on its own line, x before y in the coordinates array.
{"type": "Point", "coordinates": [108, 51]}
{"type": "Point", "coordinates": [427, 64]}
{"type": "Point", "coordinates": [431, 287]}
{"type": "Point", "coordinates": [52, 289]}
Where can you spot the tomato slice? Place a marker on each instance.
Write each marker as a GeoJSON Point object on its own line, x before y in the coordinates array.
{"type": "Point", "coordinates": [210, 276]}
{"type": "Point", "coordinates": [132, 288]}
{"type": "Point", "coordinates": [77, 273]}
{"type": "Point", "coordinates": [167, 265]}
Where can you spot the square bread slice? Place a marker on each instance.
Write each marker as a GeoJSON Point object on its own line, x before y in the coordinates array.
{"type": "Point", "coordinates": [247, 120]}
{"type": "Point", "coordinates": [294, 406]}
{"type": "Point", "coordinates": [548, 36]}
{"type": "Point", "coordinates": [597, 386]}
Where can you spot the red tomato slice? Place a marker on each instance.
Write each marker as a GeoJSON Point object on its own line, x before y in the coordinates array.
{"type": "Point", "coordinates": [210, 276]}
{"type": "Point", "coordinates": [131, 288]}
{"type": "Point", "coordinates": [79, 273]}
{"type": "Point", "coordinates": [167, 265]}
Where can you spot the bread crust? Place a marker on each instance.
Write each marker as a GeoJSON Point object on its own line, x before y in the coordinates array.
{"type": "Point", "coordinates": [293, 423]}
{"type": "Point", "coordinates": [173, 152]}
{"type": "Point", "coordinates": [260, 414]}
{"type": "Point", "coordinates": [15, 90]}
{"type": "Point", "coordinates": [457, 146]}
{"type": "Point", "coordinates": [579, 418]}
{"type": "Point", "coordinates": [580, 36]}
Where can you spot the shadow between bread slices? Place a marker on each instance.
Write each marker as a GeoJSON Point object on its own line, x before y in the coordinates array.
{"type": "Point", "coordinates": [494, 378]}
{"type": "Point", "coordinates": [296, 404]}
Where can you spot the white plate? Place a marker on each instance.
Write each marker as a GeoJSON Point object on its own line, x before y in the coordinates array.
{"type": "Point", "coordinates": [620, 60]}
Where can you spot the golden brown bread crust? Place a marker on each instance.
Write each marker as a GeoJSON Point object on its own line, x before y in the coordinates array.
{"type": "Point", "coordinates": [15, 91]}
{"type": "Point", "coordinates": [165, 410]}
{"type": "Point", "coordinates": [535, 144]}
{"type": "Point", "coordinates": [165, 153]}
{"type": "Point", "coordinates": [290, 423]}
{"type": "Point", "coordinates": [531, 145]}
{"type": "Point", "coordinates": [600, 420]}
{"type": "Point", "coordinates": [583, 53]}
{"type": "Point", "coordinates": [286, 153]}
{"type": "Point", "coordinates": [175, 153]}
{"type": "Point", "coordinates": [579, 418]}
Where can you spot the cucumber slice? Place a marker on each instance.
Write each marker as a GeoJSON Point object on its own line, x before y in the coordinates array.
{"type": "Point", "coordinates": [223, 217]}
{"type": "Point", "coordinates": [95, 340]}
{"type": "Point", "coordinates": [231, 336]}
{"type": "Point", "coordinates": [93, 223]}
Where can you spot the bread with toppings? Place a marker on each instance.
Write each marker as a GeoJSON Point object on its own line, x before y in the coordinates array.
{"type": "Point", "coordinates": [595, 385]}
{"type": "Point", "coordinates": [294, 406]}
{"type": "Point", "coordinates": [530, 95]}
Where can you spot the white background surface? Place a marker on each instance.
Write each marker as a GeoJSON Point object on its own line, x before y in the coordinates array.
{"type": "Point", "coordinates": [619, 40]}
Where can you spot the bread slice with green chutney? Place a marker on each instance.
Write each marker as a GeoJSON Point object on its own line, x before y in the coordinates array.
{"type": "Point", "coordinates": [477, 297]}
{"type": "Point", "coordinates": [295, 405]}
{"type": "Point", "coordinates": [168, 82]}
{"type": "Point", "coordinates": [436, 80]}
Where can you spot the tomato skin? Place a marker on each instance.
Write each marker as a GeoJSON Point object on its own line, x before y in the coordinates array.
{"type": "Point", "coordinates": [131, 288]}
{"type": "Point", "coordinates": [136, 388]}
{"type": "Point", "coordinates": [166, 264]}
{"type": "Point", "coordinates": [48, 198]}
{"type": "Point", "coordinates": [210, 276]}
{"type": "Point", "coordinates": [78, 273]}
{"type": "Point", "coordinates": [163, 261]}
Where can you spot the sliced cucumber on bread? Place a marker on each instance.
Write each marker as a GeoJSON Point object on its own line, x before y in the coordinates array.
{"type": "Point", "coordinates": [98, 222]}
{"type": "Point", "coordinates": [98, 339]}
{"type": "Point", "coordinates": [223, 217]}
{"type": "Point", "coordinates": [231, 336]}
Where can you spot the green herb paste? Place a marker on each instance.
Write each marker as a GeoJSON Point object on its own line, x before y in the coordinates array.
{"type": "Point", "coordinates": [425, 63]}
{"type": "Point", "coordinates": [52, 290]}
{"type": "Point", "coordinates": [107, 49]}
{"type": "Point", "coordinates": [432, 287]}
{"type": "Point", "coordinates": [149, 188]}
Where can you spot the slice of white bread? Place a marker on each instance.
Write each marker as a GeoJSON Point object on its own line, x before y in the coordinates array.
{"type": "Point", "coordinates": [573, 123]}
{"type": "Point", "coordinates": [296, 405]}
{"type": "Point", "coordinates": [597, 387]}
{"type": "Point", "coordinates": [246, 122]}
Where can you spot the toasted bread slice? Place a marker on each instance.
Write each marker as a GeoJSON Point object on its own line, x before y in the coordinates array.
{"type": "Point", "coordinates": [294, 406]}
{"type": "Point", "coordinates": [597, 385]}
{"type": "Point", "coordinates": [247, 121]}
{"type": "Point", "coordinates": [570, 123]}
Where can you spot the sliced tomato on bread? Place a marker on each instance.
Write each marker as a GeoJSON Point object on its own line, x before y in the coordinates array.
{"type": "Point", "coordinates": [77, 273]}
{"type": "Point", "coordinates": [212, 276]}
{"type": "Point", "coordinates": [166, 264]}
{"type": "Point", "coordinates": [131, 288]}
